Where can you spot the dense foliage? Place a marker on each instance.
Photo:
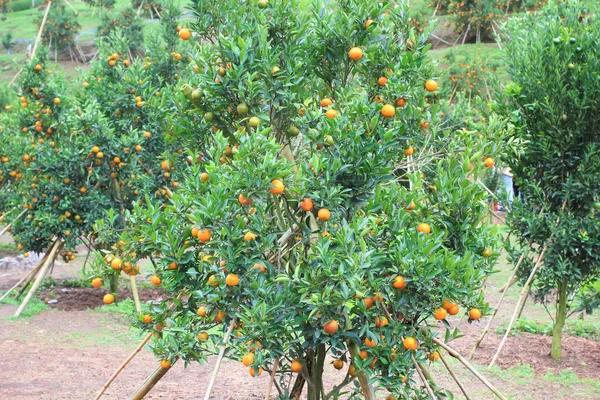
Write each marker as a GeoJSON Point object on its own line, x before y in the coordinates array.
{"type": "Point", "coordinates": [552, 59]}
{"type": "Point", "coordinates": [326, 211]}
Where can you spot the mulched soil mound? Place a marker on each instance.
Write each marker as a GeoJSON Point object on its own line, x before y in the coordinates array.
{"type": "Point", "coordinates": [579, 355]}
{"type": "Point", "coordinates": [79, 299]}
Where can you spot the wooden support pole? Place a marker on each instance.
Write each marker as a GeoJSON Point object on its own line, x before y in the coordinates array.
{"type": "Point", "coordinates": [39, 35]}
{"type": "Point", "coordinates": [150, 382]}
{"type": "Point", "coordinates": [487, 327]}
{"type": "Point", "coordinates": [134, 291]}
{"type": "Point", "coordinates": [27, 277]}
{"type": "Point", "coordinates": [72, 8]}
{"type": "Point", "coordinates": [460, 358]}
{"type": "Point", "coordinates": [38, 281]}
{"type": "Point", "coordinates": [118, 371]}
{"type": "Point", "coordinates": [461, 387]}
{"type": "Point", "coordinates": [423, 378]}
{"type": "Point", "coordinates": [275, 363]}
{"type": "Point", "coordinates": [213, 378]}
{"type": "Point", "coordinates": [524, 293]}
{"type": "Point", "coordinates": [7, 227]}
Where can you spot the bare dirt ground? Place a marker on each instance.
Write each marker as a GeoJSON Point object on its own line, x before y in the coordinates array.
{"type": "Point", "coordinates": [70, 350]}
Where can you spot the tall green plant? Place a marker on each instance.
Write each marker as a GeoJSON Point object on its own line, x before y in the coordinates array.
{"type": "Point", "coordinates": [553, 60]}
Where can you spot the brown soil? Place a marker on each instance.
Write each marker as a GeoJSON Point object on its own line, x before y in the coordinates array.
{"type": "Point", "coordinates": [78, 299]}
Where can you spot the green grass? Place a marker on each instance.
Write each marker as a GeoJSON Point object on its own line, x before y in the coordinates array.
{"type": "Point", "coordinates": [34, 307]}
{"type": "Point", "coordinates": [582, 328]}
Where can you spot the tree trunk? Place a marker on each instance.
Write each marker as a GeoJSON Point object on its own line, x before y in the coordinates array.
{"type": "Point", "coordinates": [315, 386]}
{"type": "Point", "coordinates": [114, 283]}
{"type": "Point", "coordinates": [559, 323]}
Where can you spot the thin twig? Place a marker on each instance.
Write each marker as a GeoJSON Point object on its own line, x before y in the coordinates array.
{"type": "Point", "coordinates": [219, 359]}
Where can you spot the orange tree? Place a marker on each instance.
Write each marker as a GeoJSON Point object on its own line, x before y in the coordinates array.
{"type": "Point", "coordinates": [550, 56]}
{"type": "Point", "coordinates": [128, 24]}
{"type": "Point", "coordinates": [61, 27]}
{"type": "Point", "coordinates": [134, 97]}
{"type": "Point", "coordinates": [324, 213]}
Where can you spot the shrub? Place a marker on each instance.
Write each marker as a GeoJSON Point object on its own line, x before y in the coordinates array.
{"type": "Point", "coordinates": [61, 27]}
{"type": "Point", "coordinates": [550, 55]}
{"type": "Point", "coordinates": [301, 221]}
{"type": "Point", "coordinates": [127, 24]}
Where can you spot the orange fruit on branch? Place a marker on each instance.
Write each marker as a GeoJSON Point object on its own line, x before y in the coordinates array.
{"type": "Point", "coordinates": [355, 53]}
{"type": "Point", "coordinates": [296, 366]}
{"type": "Point", "coordinates": [424, 228]}
{"type": "Point", "coordinates": [277, 186]}
{"type": "Point", "coordinates": [388, 111]}
{"type": "Point", "coordinates": [232, 280]}
{"type": "Point", "coordinates": [185, 34]}
{"type": "Point", "coordinates": [410, 343]}
{"type": "Point", "coordinates": [474, 314]}
{"type": "Point", "coordinates": [431, 85]}
{"type": "Point", "coordinates": [399, 283]}
{"type": "Point", "coordinates": [331, 327]}
{"type": "Point", "coordinates": [324, 214]}
{"type": "Point", "coordinates": [108, 299]}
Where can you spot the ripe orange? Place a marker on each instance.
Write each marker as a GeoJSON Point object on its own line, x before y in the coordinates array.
{"type": "Point", "coordinates": [355, 53]}
{"type": "Point", "coordinates": [474, 313]}
{"type": "Point", "coordinates": [165, 364]}
{"type": "Point", "coordinates": [147, 319]}
{"type": "Point", "coordinates": [296, 366]}
{"type": "Point", "coordinates": [306, 204]}
{"type": "Point", "coordinates": [117, 263]}
{"type": "Point", "coordinates": [232, 280]}
{"type": "Point", "coordinates": [447, 304]}
{"type": "Point", "coordinates": [185, 34]}
{"type": "Point", "coordinates": [108, 299]}
{"type": "Point", "coordinates": [97, 282]}
{"type": "Point", "coordinates": [370, 343]}
{"type": "Point", "coordinates": [487, 253]}
{"type": "Point", "coordinates": [204, 177]}
{"type": "Point", "coordinates": [324, 214]}
{"type": "Point", "coordinates": [382, 81]}
{"type": "Point", "coordinates": [277, 186]}
{"type": "Point", "coordinates": [453, 310]}
{"type": "Point", "coordinates": [248, 359]}
{"type": "Point", "coordinates": [202, 311]}
{"type": "Point", "coordinates": [368, 302]}
{"type": "Point", "coordinates": [203, 336]}
{"type": "Point", "coordinates": [38, 67]}
{"type": "Point", "coordinates": [399, 282]}
{"type": "Point", "coordinates": [368, 23]}
{"type": "Point", "coordinates": [249, 236]}
{"type": "Point", "coordinates": [410, 343]}
{"type": "Point", "coordinates": [56, 100]}
{"type": "Point", "coordinates": [380, 322]}
{"type": "Point", "coordinates": [331, 114]}
{"type": "Point", "coordinates": [431, 85]}
{"type": "Point", "coordinates": [435, 356]}
{"type": "Point", "coordinates": [256, 374]}
{"type": "Point", "coordinates": [489, 162]}
{"type": "Point", "coordinates": [155, 280]}
{"type": "Point", "coordinates": [244, 200]}
{"type": "Point", "coordinates": [213, 281]}
{"type": "Point", "coordinates": [338, 364]}
{"type": "Point", "coordinates": [401, 102]}
{"type": "Point", "coordinates": [424, 228]}
{"type": "Point", "coordinates": [331, 327]}
{"type": "Point", "coordinates": [440, 314]}
{"type": "Point", "coordinates": [388, 111]}
{"type": "Point", "coordinates": [204, 235]}
{"type": "Point", "coordinates": [409, 151]}
{"type": "Point", "coordinates": [173, 265]}
{"type": "Point", "coordinates": [220, 315]}
{"type": "Point", "coordinates": [326, 102]}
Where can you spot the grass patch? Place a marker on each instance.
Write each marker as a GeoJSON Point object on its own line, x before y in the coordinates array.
{"type": "Point", "coordinates": [581, 328]}
{"type": "Point", "coordinates": [124, 308]}
{"type": "Point", "coordinates": [34, 307]}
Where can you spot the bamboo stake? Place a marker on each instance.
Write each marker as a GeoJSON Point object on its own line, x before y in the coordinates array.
{"type": "Point", "coordinates": [29, 274]}
{"type": "Point", "coordinates": [134, 291]}
{"type": "Point", "coordinates": [140, 7]}
{"type": "Point", "coordinates": [30, 278]}
{"type": "Point", "coordinates": [7, 227]}
{"type": "Point", "coordinates": [15, 77]}
{"type": "Point", "coordinates": [39, 35]}
{"type": "Point", "coordinates": [460, 358]}
{"type": "Point", "coordinates": [525, 291]}
{"type": "Point", "coordinates": [423, 378]}
{"type": "Point", "coordinates": [268, 396]}
{"type": "Point", "coordinates": [487, 327]}
{"type": "Point", "coordinates": [118, 371]}
{"type": "Point", "coordinates": [72, 8]}
{"type": "Point", "coordinates": [461, 387]}
{"type": "Point", "coordinates": [219, 359]}
{"type": "Point", "coordinates": [51, 256]}
{"type": "Point", "coordinates": [152, 380]}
